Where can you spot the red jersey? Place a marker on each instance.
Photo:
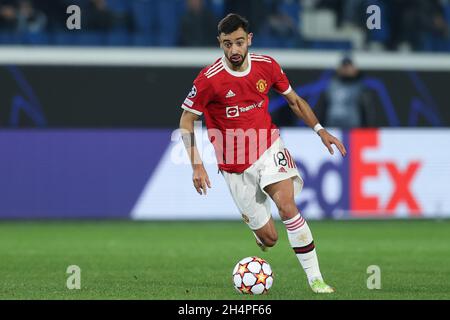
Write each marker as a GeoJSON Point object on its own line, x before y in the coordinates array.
{"type": "Point", "coordinates": [235, 108]}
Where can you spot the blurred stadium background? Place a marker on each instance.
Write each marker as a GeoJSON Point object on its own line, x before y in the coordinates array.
{"type": "Point", "coordinates": [87, 119]}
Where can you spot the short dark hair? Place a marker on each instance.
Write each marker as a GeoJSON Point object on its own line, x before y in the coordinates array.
{"type": "Point", "coordinates": [231, 23]}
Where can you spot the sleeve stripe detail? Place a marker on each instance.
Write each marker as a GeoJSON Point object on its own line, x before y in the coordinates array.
{"type": "Point", "coordinates": [259, 56]}
{"type": "Point", "coordinates": [261, 59]}
{"type": "Point", "coordinates": [213, 68]}
{"type": "Point", "coordinates": [287, 91]}
{"type": "Point", "coordinates": [215, 72]}
{"type": "Point", "coordinates": [191, 110]}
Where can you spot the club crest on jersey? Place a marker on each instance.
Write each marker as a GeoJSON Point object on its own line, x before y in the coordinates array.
{"type": "Point", "coordinates": [193, 92]}
{"type": "Point", "coordinates": [232, 112]}
{"type": "Point", "coordinates": [261, 85]}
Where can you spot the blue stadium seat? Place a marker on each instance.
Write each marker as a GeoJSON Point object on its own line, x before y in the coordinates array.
{"type": "Point", "coordinates": [256, 42]}
{"type": "Point", "coordinates": [267, 41]}
{"type": "Point", "coordinates": [432, 43]}
{"type": "Point", "coordinates": [331, 45]}
{"type": "Point", "coordinates": [168, 17]}
{"type": "Point", "coordinates": [143, 15]}
{"type": "Point", "coordinates": [40, 38]}
{"type": "Point", "coordinates": [447, 17]}
{"type": "Point", "coordinates": [217, 7]}
{"type": "Point", "coordinates": [447, 12]}
{"type": "Point", "coordinates": [118, 38]}
{"type": "Point", "coordinates": [120, 6]}
{"type": "Point", "coordinates": [142, 40]}
{"type": "Point", "coordinates": [77, 38]}
{"type": "Point", "coordinates": [9, 38]}
{"type": "Point", "coordinates": [91, 39]}
{"type": "Point", "coordinates": [64, 38]}
{"type": "Point", "coordinates": [290, 8]}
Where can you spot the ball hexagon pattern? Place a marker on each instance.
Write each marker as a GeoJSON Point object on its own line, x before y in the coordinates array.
{"type": "Point", "coordinates": [252, 275]}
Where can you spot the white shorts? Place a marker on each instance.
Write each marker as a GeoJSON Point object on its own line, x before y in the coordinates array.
{"type": "Point", "coordinates": [247, 188]}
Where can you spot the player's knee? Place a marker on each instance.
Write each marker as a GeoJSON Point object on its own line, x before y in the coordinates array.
{"type": "Point", "coordinates": [287, 210]}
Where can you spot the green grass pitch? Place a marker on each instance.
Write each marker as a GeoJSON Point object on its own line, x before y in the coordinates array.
{"type": "Point", "coordinates": [194, 260]}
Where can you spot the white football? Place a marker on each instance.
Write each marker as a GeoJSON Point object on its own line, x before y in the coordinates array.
{"type": "Point", "coordinates": [252, 275]}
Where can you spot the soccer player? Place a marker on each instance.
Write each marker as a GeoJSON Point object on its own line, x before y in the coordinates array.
{"type": "Point", "coordinates": [232, 95]}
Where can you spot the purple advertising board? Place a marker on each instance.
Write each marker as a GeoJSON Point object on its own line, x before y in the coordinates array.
{"type": "Point", "coordinates": [75, 173]}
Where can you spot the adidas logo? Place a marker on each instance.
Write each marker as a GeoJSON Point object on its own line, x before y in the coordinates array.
{"type": "Point", "coordinates": [282, 169]}
{"type": "Point", "coordinates": [230, 94]}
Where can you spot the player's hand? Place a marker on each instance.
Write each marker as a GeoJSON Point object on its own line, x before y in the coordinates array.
{"type": "Point", "coordinates": [328, 140]}
{"type": "Point", "coordinates": [200, 179]}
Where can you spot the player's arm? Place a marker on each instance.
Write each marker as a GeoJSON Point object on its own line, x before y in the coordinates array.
{"type": "Point", "coordinates": [200, 176]}
{"type": "Point", "coordinates": [303, 111]}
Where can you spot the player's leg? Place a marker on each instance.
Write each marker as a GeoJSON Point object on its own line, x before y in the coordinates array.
{"type": "Point", "coordinates": [281, 181]}
{"type": "Point", "coordinates": [299, 234]}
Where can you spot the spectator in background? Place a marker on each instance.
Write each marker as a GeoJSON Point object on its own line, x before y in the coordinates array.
{"type": "Point", "coordinates": [416, 23]}
{"type": "Point", "coordinates": [354, 13]}
{"type": "Point", "coordinates": [99, 16]}
{"type": "Point", "coordinates": [347, 102]}
{"type": "Point", "coordinates": [282, 23]}
{"type": "Point", "coordinates": [30, 19]}
{"type": "Point", "coordinates": [8, 15]}
{"type": "Point", "coordinates": [255, 11]}
{"type": "Point", "coordinates": [434, 25]}
{"type": "Point", "coordinates": [198, 26]}
{"type": "Point", "coordinates": [55, 11]}
{"type": "Point", "coordinates": [337, 6]}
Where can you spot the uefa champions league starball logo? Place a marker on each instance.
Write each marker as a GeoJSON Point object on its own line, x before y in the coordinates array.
{"type": "Point", "coordinates": [193, 92]}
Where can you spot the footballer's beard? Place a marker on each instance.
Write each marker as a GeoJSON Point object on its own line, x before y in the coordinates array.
{"type": "Point", "coordinates": [237, 59]}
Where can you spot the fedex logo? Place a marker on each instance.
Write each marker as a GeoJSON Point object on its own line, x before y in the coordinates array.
{"type": "Point", "coordinates": [361, 170]}
{"type": "Point", "coordinates": [366, 186]}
